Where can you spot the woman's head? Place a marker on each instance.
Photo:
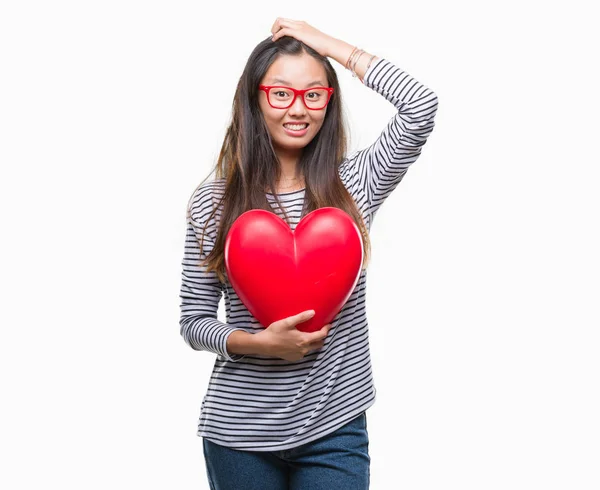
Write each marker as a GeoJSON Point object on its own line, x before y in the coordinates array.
{"type": "Point", "coordinates": [256, 142]}
{"type": "Point", "coordinates": [299, 66]}
{"type": "Point", "coordinates": [287, 72]}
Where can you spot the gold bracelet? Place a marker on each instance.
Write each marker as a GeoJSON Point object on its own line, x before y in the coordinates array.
{"type": "Point", "coordinates": [369, 64]}
{"type": "Point", "coordinates": [347, 65]}
{"type": "Point", "coordinates": [351, 60]}
{"type": "Point", "coordinates": [367, 69]}
{"type": "Point", "coordinates": [355, 62]}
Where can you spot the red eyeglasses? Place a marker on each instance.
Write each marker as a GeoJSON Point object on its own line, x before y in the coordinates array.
{"type": "Point", "coordinates": [280, 97]}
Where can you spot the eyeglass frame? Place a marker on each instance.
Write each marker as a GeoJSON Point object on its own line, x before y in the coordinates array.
{"type": "Point", "coordinates": [267, 88]}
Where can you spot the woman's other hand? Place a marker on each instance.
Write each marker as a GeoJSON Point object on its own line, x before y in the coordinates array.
{"type": "Point", "coordinates": [282, 339]}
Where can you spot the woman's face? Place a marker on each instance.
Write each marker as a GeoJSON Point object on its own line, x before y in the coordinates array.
{"type": "Point", "coordinates": [299, 72]}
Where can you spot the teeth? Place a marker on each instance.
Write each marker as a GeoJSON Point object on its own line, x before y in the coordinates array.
{"type": "Point", "coordinates": [296, 126]}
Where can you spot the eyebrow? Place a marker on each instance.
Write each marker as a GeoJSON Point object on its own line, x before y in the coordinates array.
{"type": "Point", "coordinates": [315, 82]}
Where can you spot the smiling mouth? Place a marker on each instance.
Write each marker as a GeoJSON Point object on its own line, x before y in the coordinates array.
{"type": "Point", "coordinates": [296, 127]}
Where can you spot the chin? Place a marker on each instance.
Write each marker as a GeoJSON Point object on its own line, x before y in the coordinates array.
{"type": "Point", "coordinates": [299, 145]}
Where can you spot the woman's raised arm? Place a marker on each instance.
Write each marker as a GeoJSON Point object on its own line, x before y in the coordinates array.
{"type": "Point", "coordinates": [382, 165]}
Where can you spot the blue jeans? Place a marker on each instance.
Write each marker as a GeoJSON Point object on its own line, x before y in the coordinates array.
{"type": "Point", "coordinates": [339, 460]}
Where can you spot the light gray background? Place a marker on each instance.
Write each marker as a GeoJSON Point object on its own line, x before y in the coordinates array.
{"type": "Point", "coordinates": [483, 289]}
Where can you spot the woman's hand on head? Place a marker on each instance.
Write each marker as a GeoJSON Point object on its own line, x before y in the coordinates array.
{"type": "Point", "coordinates": [304, 32]}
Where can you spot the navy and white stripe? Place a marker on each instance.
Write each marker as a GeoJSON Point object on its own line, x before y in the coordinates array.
{"type": "Point", "coordinates": [265, 403]}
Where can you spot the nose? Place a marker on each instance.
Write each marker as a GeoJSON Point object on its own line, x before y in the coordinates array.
{"type": "Point", "coordinates": [298, 106]}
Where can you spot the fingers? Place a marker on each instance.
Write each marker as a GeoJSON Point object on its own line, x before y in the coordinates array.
{"type": "Point", "coordinates": [282, 23]}
{"type": "Point", "coordinates": [319, 334]}
{"type": "Point", "coordinates": [300, 317]}
{"type": "Point", "coordinates": [278, 24]}
{"type": "Point", "coordinates": [317, 339]}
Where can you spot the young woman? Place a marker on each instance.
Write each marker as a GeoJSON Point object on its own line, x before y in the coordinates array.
{"type": "Point", "coordinates": [286, 408]}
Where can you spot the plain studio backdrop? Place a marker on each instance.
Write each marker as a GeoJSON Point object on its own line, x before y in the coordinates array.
{"type": "Point", "coordinates": [483, 290]}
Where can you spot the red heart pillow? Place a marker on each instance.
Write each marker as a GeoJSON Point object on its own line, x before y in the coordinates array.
{"type": "Point", "coordinates": [278, 272]}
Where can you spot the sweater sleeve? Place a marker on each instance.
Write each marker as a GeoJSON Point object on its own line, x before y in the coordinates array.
{"type": "Point", "coordinates": [382, 165]}
{"type": "Point", "coordinates": [200, 296]}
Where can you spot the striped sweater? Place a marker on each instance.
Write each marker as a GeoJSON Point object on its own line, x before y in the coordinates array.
{"type": "Point", "coordinates": [263, 403]}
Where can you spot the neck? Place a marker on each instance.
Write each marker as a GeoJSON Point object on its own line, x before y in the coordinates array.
{"type": "Point", "coordinates": [288, 163]}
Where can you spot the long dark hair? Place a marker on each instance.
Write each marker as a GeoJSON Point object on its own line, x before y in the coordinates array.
{"type": "Point", "coordinates": [248, 162]}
